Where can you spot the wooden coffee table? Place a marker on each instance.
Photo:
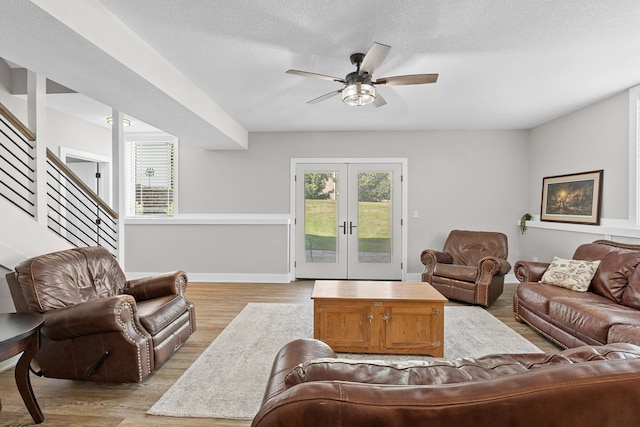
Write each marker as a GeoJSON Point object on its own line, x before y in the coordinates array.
{"type": "Point", "coordinates": [379, 317]}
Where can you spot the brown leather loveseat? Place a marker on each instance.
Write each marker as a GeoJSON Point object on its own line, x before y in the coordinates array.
{"type": "Point", "coordinates": [607, 312]}
{"type": "Point", "coordinates": [98, 325]}
{"type": "Point", "coordinates": [586, 386]}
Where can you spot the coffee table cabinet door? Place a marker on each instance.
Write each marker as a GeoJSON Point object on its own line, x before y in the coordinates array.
{"type": "Point", "coordinates": [345, 327]}
{"type": "Point", "coordinates": [415, 329]}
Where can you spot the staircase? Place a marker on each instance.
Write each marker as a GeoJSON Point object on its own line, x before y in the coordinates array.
{"type": "Point", "coordinates": [70, 215]}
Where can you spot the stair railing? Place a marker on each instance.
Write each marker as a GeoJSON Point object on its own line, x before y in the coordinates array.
{"type": "Point", "coordinates": [17, 159]}
{"type": "Point", "coordinates": [74, 211]}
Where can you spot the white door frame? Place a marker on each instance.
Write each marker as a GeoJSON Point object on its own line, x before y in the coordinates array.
{"type": "Point", "coordinates": [106, 187]}
{"type": "Point", "coordinates": [404, 203]}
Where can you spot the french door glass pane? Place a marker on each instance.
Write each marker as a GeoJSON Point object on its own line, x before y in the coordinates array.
{"type": "Point", "coordinates": [320, 217]}
{"type": "Point", "coordinates": [374, 217]}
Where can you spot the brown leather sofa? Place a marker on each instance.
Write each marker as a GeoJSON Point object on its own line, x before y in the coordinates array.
{"type": "Point", "coordinates": [470, 267]}
{"type": "Point", "coordinates": [608, 312]}
{"type": "Point", "coordinates": [98, 325]}
{"type": "Point", "coordinates": [586, 386]}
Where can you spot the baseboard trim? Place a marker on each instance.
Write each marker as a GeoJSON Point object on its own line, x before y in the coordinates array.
{"type": "Point", "coordinates": [265, 278]}
{"type": "Point", "coordinates": [9, 363]}
{"type": "Point", "coordinates": [414, 277]}
{"type": "Point", "coordinates": [223, 277]}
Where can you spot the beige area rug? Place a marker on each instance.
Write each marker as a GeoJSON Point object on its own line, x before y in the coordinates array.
{"type": "Point", "coordinates": [228, 379]}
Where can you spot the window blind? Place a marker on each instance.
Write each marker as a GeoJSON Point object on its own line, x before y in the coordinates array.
{"type": "Point", "coordinates": [151, 182]}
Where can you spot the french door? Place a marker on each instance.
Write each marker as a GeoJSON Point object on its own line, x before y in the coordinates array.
{"type": "Point", "coordinates": [348, 221]}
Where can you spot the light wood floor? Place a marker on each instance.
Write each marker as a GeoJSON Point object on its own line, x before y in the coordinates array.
{"type": "Point", "coordinates": [73, 403]}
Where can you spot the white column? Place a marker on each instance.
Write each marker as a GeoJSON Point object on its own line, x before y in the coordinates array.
{"type": "Point", "coordinates": [36, 122]}
{"type": "Point", "coordinates": [117, 154]}
{"type": "Point", "coordinates": [634, 156]}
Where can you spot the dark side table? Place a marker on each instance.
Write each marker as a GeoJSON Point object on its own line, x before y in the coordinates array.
{"type": "Point", "coordinates": [19, 332]}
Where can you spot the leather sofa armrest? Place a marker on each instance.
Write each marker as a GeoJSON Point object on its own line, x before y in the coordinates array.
{"type": "Point", "coordinates": [290, 356]}
{"type": "Point", "coordinates": [530, 271]}
{"type": "Point", "coordinates": [157, 286]}
{"type": "Point", "coordinates": [493, 266]}
{"type": "Point", "coordinates": [112, 314]}
{"type": "Point", "coordinates": [430, 258]}
{"type": "Point", "coordinates": [490, 279]}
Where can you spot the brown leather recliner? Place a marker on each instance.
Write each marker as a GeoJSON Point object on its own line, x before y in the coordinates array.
{"type": "Point", "coordinates": [470, 267]}
{"type": "Point", "coordinates": [98, 325]}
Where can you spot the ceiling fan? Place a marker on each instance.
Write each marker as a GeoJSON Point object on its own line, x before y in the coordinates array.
{"type": "Point", "coordinates": [359, 86]}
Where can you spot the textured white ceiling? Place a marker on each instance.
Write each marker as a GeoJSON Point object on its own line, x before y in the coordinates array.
{"type": "Point", "coordinates": [503, 64]}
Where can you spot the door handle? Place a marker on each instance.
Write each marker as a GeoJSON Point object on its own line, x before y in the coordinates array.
{"type": "Point", "coordinates": [351, 227]}
{"type": "Point", "coordinates": [344, 227]}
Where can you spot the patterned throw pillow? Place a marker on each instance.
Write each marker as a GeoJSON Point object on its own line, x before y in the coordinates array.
{"type": "Point", "coordinates": [570, 273]}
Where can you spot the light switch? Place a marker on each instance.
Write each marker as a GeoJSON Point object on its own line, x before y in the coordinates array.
{"type": "Point", "coordinates": [415, 214]}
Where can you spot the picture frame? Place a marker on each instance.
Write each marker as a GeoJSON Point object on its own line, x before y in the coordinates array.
{"type": "Point", "coordinates": [574, 198]}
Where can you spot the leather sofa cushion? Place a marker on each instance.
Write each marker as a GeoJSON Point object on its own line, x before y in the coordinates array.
{"type": "Point", "coordinates": [631, 294]}
{"type": "Point", "coordinates": [157, 313]}
{"type": "Point", "coordinates": [468, 247]}
{"type": "Point", "coordinates": [617, 265]}
{"type": "Point", "coordinates": [403, 373]}
{"type": "Point", "coordinates": [536, 296]}
{"type": "Point", "coordinates": [458, 272]}
{"type": "Point", "coordinates": [591, 318]}
{"type": "Point", "coordinates": [65, 278]}
{"type": "Point", "coordinates": [437, 372]}
{"type": "Point", "coordinates": [624, 333]}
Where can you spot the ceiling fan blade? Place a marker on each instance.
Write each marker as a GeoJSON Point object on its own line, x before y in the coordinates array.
{"type": "Point", "coordinates": [411, 79]}
{"type": "Point", "coordinates": [375, 56]}
{"type": "Point", "coordinates": [325, 96]}
{"type": "Point", "coordinates": [315, 75]}
{"type": "Point", "coordinates": [379, 100]}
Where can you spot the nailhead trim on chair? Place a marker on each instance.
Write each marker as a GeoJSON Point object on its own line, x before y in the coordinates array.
{"type": "Point", "coordinates": [127, 306]}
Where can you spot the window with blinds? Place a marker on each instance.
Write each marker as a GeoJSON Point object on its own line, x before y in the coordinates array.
{"type": "Point", "coordinates": [150, 189]}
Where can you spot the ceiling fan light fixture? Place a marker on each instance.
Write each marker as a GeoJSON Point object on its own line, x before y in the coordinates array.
{"type": "Point", "coordinates": [359, 94]}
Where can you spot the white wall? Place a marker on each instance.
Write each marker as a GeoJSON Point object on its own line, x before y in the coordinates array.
{"type": "Point", "coordinates": [595, 137]}
{"type": "Point", "coordinates": [62, 129]}
{"type": "Point", "coordinates": [20, 236]}
{"type": "Point", "coordinates": [456, 179]}
{"type": "Point", "coordinates": [17, 105]}
{"type": "Point", "coordinates": [66, 131]}
{"type": "Point", "coordinates": [483, 180]}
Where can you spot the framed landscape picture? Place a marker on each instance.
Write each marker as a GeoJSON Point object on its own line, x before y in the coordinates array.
{"type": "Point", "coordinates": [574, 198]}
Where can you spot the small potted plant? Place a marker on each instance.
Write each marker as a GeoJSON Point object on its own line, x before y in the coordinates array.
{"type": "Point", "coordinates": [523, 222]}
